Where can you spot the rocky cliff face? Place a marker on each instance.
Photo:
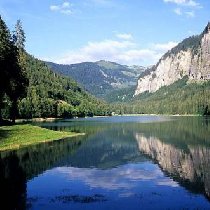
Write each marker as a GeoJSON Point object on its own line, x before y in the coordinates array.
{"type": "Point", "coordinates": [189, 58]}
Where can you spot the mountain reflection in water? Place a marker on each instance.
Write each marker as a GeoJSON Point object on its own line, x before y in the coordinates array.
{"type": "Point", "coordinates": [121, 162]}
{"type": "Point", "coordinates": [190, 168]}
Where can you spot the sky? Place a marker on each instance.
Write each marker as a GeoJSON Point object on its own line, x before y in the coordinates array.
{"type": "Point", "coordinates": [130, 32]}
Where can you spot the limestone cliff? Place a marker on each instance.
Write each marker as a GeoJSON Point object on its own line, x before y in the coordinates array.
{"type": "Point", "coordinates": [189, 58]}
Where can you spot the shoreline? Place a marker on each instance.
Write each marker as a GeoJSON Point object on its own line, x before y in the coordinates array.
{"type": "Point", "coordinates": [41, 119]}
{"type": "Point", "coordinates": [19, 136]}
{"type": "Point", "coordinates": [169, 115]}
{"type": "Point", "coordinates": [51, 119]}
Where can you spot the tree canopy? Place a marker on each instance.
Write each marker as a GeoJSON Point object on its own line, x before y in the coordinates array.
{"type": "Point", "coordinates": [29, 88]}
{"type": "Point", "coordinates": [13, 80]}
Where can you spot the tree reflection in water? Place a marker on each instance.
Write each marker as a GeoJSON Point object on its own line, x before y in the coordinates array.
{"type": "Point", "coordinates": [17, 167]}
{"type": "Point", "coordinates": [180, 146]}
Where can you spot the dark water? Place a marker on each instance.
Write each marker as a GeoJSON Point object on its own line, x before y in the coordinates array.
{"type": "Point", "coordinates": [127, 163]}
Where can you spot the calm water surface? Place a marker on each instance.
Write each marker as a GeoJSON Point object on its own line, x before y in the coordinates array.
{"type": "Point", "coordinates": [142, 162]}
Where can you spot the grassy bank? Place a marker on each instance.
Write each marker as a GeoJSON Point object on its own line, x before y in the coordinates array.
{"type": "Point", "coordinates": [17, 136]}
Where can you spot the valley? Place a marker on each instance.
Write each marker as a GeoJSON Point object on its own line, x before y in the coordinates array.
{"type": "Point", "coordinates": [177, 84]}
{"type": "Point", "coordinates": [104, 104]}
{"type": "Point", "coordinates": [102, 77]}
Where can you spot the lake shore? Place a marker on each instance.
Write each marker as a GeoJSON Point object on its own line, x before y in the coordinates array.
{"type": "Point", "coordinates": [40, 119]}
{"type": "Point", "coordinates": [18, 136]}
{"type": "Point", "coordinates": [51, 119]}
{"type": "Point", "coordinates": [169, 115]}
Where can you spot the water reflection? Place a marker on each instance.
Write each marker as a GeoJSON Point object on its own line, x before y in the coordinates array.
{"type": "Point", "coordinates": [106, 149]}
{"type": "Point", "coordinates": [17, 167]}
{"type": "Point", "coordinates": [119, 163]}
{"type": "Point", "coordinates": [189, 166]}
{"type": "Point", "coordinates": [12, 183]}
{"type": "Point", "coordinates": [121, 178]}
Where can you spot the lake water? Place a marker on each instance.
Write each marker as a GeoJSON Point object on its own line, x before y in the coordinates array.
{"type": "Point", "coordinates": [142, 162]}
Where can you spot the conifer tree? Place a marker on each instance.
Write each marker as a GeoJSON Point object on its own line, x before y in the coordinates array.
{"type": "Point", "coordinates": [18, 78]}
{"type": "Point", "coordinates": [13, 80]}
{"type": "Point", "coordinates": [5, 63]}
{"type": "Point", "coordinates": [19, 36]}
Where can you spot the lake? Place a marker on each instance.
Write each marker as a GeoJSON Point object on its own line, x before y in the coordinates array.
{"type": "Point", "coordinates": [130, 162]}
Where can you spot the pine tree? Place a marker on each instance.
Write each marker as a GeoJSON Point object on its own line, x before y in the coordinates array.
{"type": "Point", "coordinates": [13, 81]}
{"type": "Point", "coordinates": [19, 36]}
{"type": "Point", "coordinates": [18, 78]}
{"type": "Point", "coordinates": [6, 49]}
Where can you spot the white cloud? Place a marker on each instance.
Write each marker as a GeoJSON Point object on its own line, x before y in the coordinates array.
{"type": "Point", "coordinates": [184, 4]}
{"type": "Point", "coordinates": [117, 50]}
{"type": "Point", "coordinates": [189, 3]}
{"type": "Point", "coordinates": [165, 46]}
{"type": "Point", "coordinates": [54, 8]}
{"type": "Point", "coordinates": [178, 11]}
{"type": "Point", "coordinates": [192, 32]}
{"type": "Point", "coordinates": [124, 36]}
{"type": "Point", "coordinates": [102, 2]}
{"type": "Point", "coordinates": [64, 8]}
{"type": "Point", "coordinates": [138, 56]}
{"type": "Point", "coordinates": [190, 14]}
{"type": "Point", "coordinates": [66, 5]}
{"type": "Point", "coordinates": [67, 12]}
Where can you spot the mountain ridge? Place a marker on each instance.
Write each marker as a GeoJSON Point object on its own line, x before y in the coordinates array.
{"type": "Point", "coordinates": [101, 77]}
{"type": "Point", "coordinates": [50, 94]}
{"type": "Point", "coordinates": [191, 58]}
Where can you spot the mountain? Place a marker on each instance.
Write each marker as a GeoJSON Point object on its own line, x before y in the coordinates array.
{"type": "Point", "coordinates": [189, 58]}
{"type": "Point", "coordinates": [51, 95]}
{"type": "Point", "coordinates": [120, 95]}
{"type": "Point", "coordinates": [180, 98]}
{"type": "Point", "coordinates": [100, 78]}
{"type": "Point", "coordinates": [30, 89]}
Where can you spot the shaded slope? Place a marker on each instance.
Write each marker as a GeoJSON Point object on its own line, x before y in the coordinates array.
{"type": "Point", "coordinates": [101, 77]}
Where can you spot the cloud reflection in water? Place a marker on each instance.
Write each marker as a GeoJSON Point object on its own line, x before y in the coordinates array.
{"type": "Point", "coordinates": [126, 177]}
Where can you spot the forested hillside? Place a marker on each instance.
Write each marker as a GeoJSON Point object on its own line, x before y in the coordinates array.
{"type": "Point", "coordinates": [178, 84]}
{"type": "Point", "coordinates": [29, 88]}
{"type": "Point", "coordinates": [121, 95]}
{"type": "Point", "coordinates": [100, 78]}
{"type": "Point", "coordinates": [50, 94]}
{"type": "Point", "coordinates": [179, 98]}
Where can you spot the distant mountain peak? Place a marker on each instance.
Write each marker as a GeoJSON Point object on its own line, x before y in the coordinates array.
{"type": "Point", "coordinates": [103, 61]}
{"type": "Point", "coordinates": [109, 64]}
{"type": "Point", "coordinates": [101, 77]}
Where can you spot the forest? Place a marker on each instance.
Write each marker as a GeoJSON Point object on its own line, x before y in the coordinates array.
{"type": "Point", "coordinates": [180, 98]}
{"type": "Point", "coordinates": [29, 89]}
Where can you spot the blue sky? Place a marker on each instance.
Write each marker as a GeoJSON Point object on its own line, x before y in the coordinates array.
{"type": "Point", "coordinates": [125, 31]}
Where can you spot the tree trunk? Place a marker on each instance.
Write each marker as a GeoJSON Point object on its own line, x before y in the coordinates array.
{"type": "Point", "coordinates": [0, 117]}
{"type": "Point", "coordinates": [14, 111]}
{"type": "Point", "coordinates": [1, 106]}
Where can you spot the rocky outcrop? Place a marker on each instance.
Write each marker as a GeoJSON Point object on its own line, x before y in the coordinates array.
{"type": "Point", "coordinates": [189, 58]}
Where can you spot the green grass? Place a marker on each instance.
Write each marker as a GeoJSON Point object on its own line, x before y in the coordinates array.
{"type": "Point", "coordinates": [17, 136]}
